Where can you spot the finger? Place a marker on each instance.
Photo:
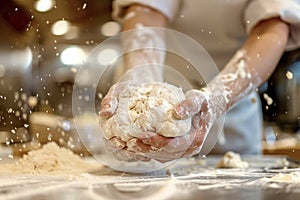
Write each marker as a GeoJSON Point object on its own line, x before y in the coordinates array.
{"type": "Point", "coordinates": [190, 106]}
{"type": "Point", "coordinates": [149, 152]}
{"type": "Point", "coordinates": [120, 151]}
{"type": "Point", "coordinates": [129, 156]}
{"type": "Point", "coordinates": [195, 147]}
{"type": "Point", "coordinates": [153, 153]}
{"type": "Point", "coordinates": [109, 103]}
{"type": "Point", "coordinates": [198, 132]}
{"type": "Point", "coordinates": [108, 107]}
{"type": "Point", "coordinates": [138, 146]}
{"type": "Point", "coordinates": [168, 144]}
{"type": "Point", "coordinates": [154, 139]}
{"type": "Point", "coordinates": [117, 143]}
{"type": "Point", "coordinates": [163, 157]}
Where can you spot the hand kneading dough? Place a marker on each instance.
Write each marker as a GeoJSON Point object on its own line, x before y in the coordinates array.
{"type": "Point", "coordinates": [146, 108]}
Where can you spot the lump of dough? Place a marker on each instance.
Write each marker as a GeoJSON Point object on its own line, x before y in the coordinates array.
{"type": "Point", "coordinates": [232, 160]}
{"type": "Point", "coordinates": [148, 107]}
{"type": "Point", "coordinates": [292, 177]}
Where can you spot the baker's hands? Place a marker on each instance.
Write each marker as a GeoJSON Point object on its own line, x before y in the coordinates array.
{"type": "Point", "coordinates": [120, 151]}
{"type": "Point", "coordinates": [164, 149]}
{"type": "Point", "coordinates": [150, 145]}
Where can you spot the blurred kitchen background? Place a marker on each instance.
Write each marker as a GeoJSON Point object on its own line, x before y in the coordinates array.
{"type": "Point", "coordinates": [42, 44]}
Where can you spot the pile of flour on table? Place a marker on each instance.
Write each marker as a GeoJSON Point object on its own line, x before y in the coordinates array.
{"type": "Point", "coordinates": [292, 177]}
{"type": "Point", "coordinates": [54, 160]}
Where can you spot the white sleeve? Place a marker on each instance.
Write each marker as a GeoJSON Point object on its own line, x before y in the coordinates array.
{"type": "Point", "coordinates": [287, 10]}
{"type": "Point", "coordinates": [167, 7]}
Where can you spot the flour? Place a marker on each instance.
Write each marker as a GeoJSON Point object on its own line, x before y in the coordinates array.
{"type": "Point", "coordinates": [293, 177]}
{"type": "Point", "coordinates": [289, 75]}
{"type": "Point", "coordinates": [52, 159]}
{"type": "Point", "coordinates": [232, 160]}
{"type": "Point", "coordinates": [238, 66]}
{"type": "Point", "coordinates": [268, 99]}
{"type": "Point", "coordinates": [146, 108]}
{"type": "Point", "coordinates": [129, 15]}
{"type": "Point", "coordinates": [144, 47]}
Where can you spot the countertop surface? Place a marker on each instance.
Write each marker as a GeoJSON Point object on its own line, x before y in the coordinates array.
{"type": "Point", "coordinates": [191, 178]}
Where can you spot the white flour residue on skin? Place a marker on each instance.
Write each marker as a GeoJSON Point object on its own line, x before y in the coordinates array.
{"type": "Point", "coordinates": [129, 15]}
{"type": "Point", "coordinates": [239, 64]}
{"type": "Point", "coordinates": [222, 88]}
{"type": "Point", "coordinates": [144, 46]}
{"type": "Point", "coordinates": [216, 96]}
{"type": "Point", "coordinates": [146, 108]}
{"type": "Point", "coordinates": [293, 177]}
{"type": "Point", "coordinates": [238, 81]}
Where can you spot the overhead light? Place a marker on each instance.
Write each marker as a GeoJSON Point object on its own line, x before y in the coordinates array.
{"type": "Point", "coordinates": [110, 28]}
{"type": "Point", "coordinates": [107, 56]}
{"type": "Point", "coordinates": [44, 5]}
{"type": "Point", "coordinates": [72, 56]}
{"type": "Point", "coordinates": [60, 27]}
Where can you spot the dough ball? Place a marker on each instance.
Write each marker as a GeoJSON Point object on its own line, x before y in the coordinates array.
{"type": "Point", "coordinates": [146, 108]}
{"type": "Point", "coordinates": [232, 160]}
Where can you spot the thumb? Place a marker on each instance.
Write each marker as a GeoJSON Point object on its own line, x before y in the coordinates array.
{"type": "Point", "coordinates": [108, 106]}
{"type": "Point", "coordinates": [191, 105]}
{"type": "Point", "coordinates": [110, 102]}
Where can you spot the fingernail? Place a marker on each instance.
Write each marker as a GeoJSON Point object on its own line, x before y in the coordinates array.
{"type": "Point", "coordinates": [180, 112]}
{"type": "Point", "coordinates": [105, 110]}
{"type": "Point", "coordinates": [105, 106]}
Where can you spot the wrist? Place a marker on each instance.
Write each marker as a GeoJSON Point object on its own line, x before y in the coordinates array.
{"type": "Point", "coordinates": [217, 100]}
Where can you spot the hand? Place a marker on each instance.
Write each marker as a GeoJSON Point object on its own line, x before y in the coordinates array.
{"type": "Point", "coordinates": [196, 101]}
{"type": "Point", "coordinates": [150, 145]}
{"type": "Point", "coordinates": [120, 151]}
{"type": "Point", "coordinates": [163, 149]}
{"type": "Point", "coordinates": [110, 102]}
{"type": "Point", "coordinates": [108, 107]}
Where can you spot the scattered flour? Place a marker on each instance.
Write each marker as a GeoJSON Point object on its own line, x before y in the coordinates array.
{"type": "Point", "coordinates": [268, 99]}
{"type": "Point", "coordinates": [50, 159]}
{"type": "Point", "coordinates": [146, 108]}
{"type": "Point", "coordinates": [289, 75]}
{"type": "Point", "coordinates": [232, 160]}
{"type": "Point", "coordinates": [293, 177]}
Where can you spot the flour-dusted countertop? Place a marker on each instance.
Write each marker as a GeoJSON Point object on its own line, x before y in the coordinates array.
{"type": "Point", "coordinates": [186, 179]}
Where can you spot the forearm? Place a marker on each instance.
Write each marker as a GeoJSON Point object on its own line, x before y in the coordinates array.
{"type": "Point", "coordinates": [251, 65]}
{"type": "Point", "coordinates": [138, 14]}
{"type": "Point", "coordinates": [144, 46]}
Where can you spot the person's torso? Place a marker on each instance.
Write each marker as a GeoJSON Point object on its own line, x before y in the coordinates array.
{"type": "Point", "coordinates": [218, 25]}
